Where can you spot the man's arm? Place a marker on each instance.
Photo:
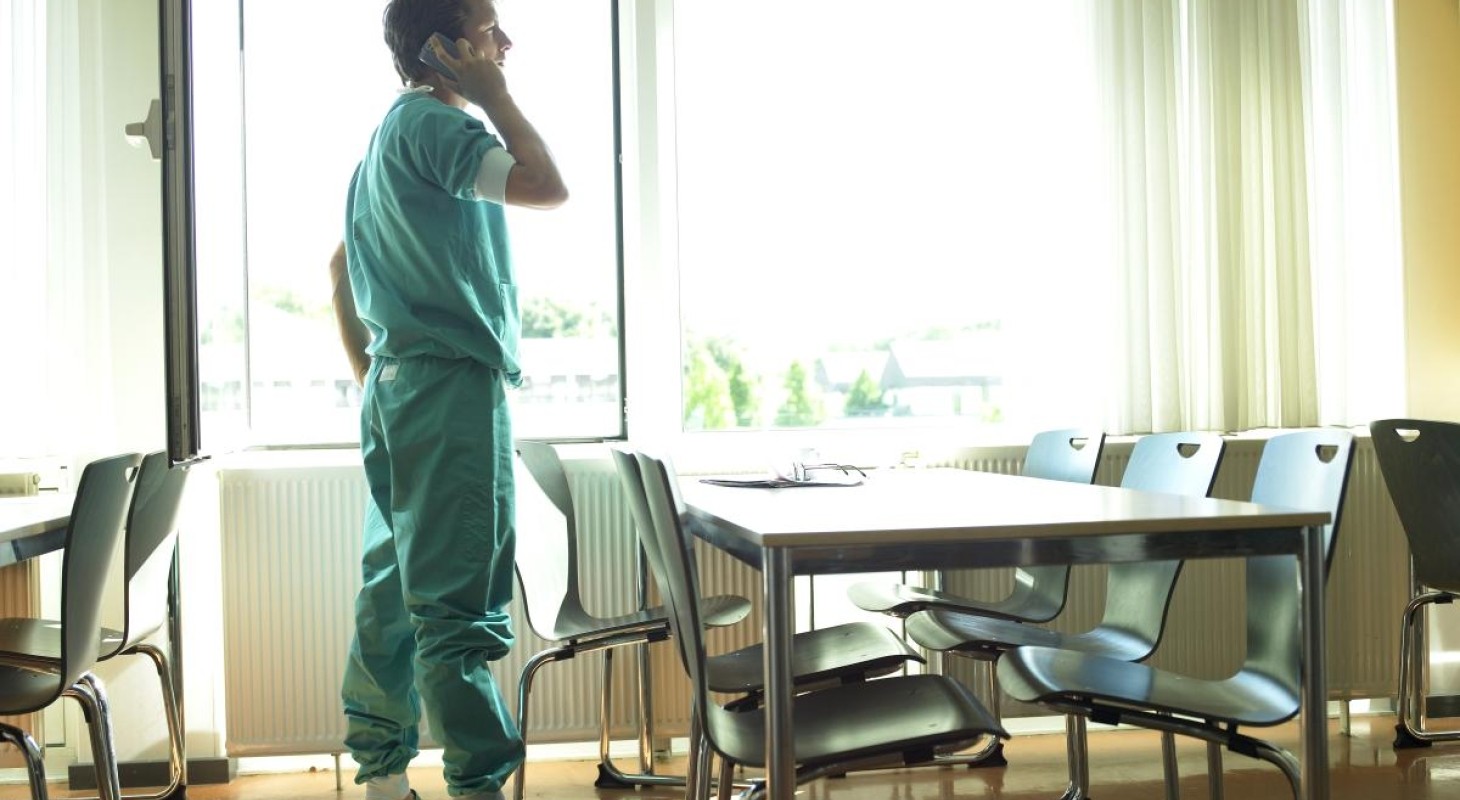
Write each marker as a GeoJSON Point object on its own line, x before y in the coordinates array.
{"type": "Point", "coordinates": [534, 180]}
{"type": "Point", "coordinates": [353, 332]}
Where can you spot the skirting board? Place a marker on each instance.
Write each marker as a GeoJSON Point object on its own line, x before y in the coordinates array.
{"type": "Point", "coordinates": [82, 777]}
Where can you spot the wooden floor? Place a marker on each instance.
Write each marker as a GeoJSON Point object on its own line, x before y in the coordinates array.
{"type": "Point", "coordinates": [1125, 765]}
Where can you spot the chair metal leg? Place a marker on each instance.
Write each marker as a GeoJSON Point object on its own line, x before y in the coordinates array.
{"type": "Point", "coordinates": [1077, 753]}
{"type": "Point", "coordinates": [609, 775]}
{"type": "Point", "coordinates": [524, 688]}
{"type": "Point", "coordinates": [91, 694]}
{"type": "Point", "coordinates": [1410, 730]}
{"type": "Point", "coordinates": [700, 789]}
{"type": "Point", "coordinates": [1169, 768]}
{"type": "Point", "coordinates": [35, 760]}
{"type": "Point", "coordinates": [176, 735]}
{"type": "Point", "coordinates": [646, 714]}
{"type": "Point", "coordinates": [727, 778]}
{"type": "Point", "coordinates": [1214, 771]}
{"type": "Point", "coordinates": [1281, 759]}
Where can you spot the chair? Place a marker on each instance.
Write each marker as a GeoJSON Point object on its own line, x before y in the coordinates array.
{"type": "Point", "coordinates": [150, 542]}
{"type": "Point", "coordinates": [1306, 470]}
{"type": "Point", "coordinates": [547, 570]}
{"type": "Point", "coordinates": [40, 663]}
{"type": "Point", "coordinates": [150, 547]}
{"type": "Point", "coordinates": [1137, 595]}
{"type": "Point", "coordinates": [902, 719]}
{"type": "Point", "coordinates": [1420, 461]}
{"type": "Point", "coordinates": [823, 657]}
{"type": "Point", "coordinates": [1039, 592]}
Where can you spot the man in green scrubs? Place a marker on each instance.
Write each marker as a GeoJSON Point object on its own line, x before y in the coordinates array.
{"type": "Point", "coordinates": [426, 303]}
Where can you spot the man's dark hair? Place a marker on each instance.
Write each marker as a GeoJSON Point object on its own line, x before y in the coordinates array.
{"type": "Point", "coordinates": [409, 23]}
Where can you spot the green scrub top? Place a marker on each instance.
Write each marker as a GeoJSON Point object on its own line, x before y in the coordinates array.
{"type": "Point", "coordinates": [428, 262]}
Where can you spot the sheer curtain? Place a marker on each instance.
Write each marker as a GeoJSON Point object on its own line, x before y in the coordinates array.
{"type": "Point", "coordinates": [23, 204]}
{"type": "Point", "coordinates": [1231, 133]}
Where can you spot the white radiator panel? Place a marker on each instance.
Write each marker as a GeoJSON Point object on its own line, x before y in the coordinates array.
{"type": "Point", "coordinates": [291, 556]}
{"type": "Point", "coordinates": [291, 553]}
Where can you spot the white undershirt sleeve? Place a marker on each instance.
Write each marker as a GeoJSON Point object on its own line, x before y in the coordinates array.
{"type": "Point", "coordinates": [491, 182]}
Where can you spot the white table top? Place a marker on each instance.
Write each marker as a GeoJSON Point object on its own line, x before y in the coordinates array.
{"type": "Point", "coordinates": [21, 517]}
{"type": "Point", "coordinates": [952, 505]}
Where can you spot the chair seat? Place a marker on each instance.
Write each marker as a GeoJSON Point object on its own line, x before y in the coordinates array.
{"type": "Point", "coordinates": [911, 714]}
{"type": "Point", "coordinates": [1060, 676]}
{"type": "Point", "coordinates": [25, 690]}
{"type": "Point", "coordinates": [982, 637]}
{"type": "Point", "coordinates": [825, 655]}
{"type": "Point", "coordinates": [901, 600]}
{"type": "Point", "coordinates": [720, 610]}
{"type": "Point", "coordinates": [28, 638]}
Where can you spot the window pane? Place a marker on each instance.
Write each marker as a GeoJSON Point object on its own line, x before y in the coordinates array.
{"type": "Point", "coordinates": [886, 212]}
{"type": "Point", "coordinates": [307, 123]}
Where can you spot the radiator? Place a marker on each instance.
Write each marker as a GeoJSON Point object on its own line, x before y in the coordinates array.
{"type": "Point", "coordinates": [291, 554]}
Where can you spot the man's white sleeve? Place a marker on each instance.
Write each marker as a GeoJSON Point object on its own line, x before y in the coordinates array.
{"type": "Point", "coordinates": [491, 182]}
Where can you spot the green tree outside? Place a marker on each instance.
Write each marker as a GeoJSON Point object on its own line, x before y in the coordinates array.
{"type": "Point", "coordinates": [706, 392]}
{"type": "Point", "coordinates": [801, 409]}
{"type": "Point", "coordinates": [864, 399]}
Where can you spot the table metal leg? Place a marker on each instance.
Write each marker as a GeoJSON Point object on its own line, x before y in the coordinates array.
{"type": "Point", "coordinates": [779, 613]}
{"type": "Point", "coordinates": [1315, 678]}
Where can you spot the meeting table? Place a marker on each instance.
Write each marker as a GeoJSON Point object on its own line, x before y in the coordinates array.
{"type": "Point", "coordinates": [937, 519]}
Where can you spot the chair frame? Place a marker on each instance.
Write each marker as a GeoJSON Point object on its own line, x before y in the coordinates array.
{"type": "Point", "coordinates": [820, 661]}
{"type": "Point", "coordinates": [103, 495]}
{"type": "Point", "coordinates": [1420, 461]}
{"type": "Point", "coordinates": [1125, 618]}
{"type": "Point", "coordinates": [1272, 649]}
{"type": "Point", "coordinates": [713, 725]}
{"type": "Point", "coordinates": [1039, 594]}
{"type": "Point", "coordinates": [576, 632]}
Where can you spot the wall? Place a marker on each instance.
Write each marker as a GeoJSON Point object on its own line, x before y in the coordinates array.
{"type": "Point", "coordinates": [1427, 34]}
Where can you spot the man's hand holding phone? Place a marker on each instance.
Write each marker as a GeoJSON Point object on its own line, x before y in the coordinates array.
{"type": "Point", "coordinates": [470, 73]}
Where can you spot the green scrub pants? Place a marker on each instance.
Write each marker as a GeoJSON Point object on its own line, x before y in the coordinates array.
{"type": "Point", "coordinates": [437, 566]}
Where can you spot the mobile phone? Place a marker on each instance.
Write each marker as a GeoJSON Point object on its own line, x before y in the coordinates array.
{"type": "Point", "coordinates": [428, 56]}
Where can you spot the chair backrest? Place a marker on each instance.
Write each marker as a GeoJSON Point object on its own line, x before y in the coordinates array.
{"type": "Point", "coordinates": [1420, 461]}
{"type": "Point", "coordinates": [547, 552]}
{"type": "Point", "coordinates": [677, 580]}
{"type": "Point", "coordinates": [1306, 470]}
{"type": "Point", "coordinates": [151, 541]}
{"type": "Point", "coordinates": [1138, 595]}
{"type": "Point", "coordinates": [1069, 454]}
{"type": "Point", "coordinates": [97, 515]}
{"type": "Point", "coordinates": [626, 464]}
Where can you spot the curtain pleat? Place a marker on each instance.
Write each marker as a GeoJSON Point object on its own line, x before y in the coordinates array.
{"type": "Point", "coordinates": [1211, 132]}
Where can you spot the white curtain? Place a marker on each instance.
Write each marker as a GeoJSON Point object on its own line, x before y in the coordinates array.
{"type": "Point", "coordinates": [23, 206]}
{"type": "Point", "coordinates": [1353, 189]}
{"type": "Point", "coordinates": [1222, 127]}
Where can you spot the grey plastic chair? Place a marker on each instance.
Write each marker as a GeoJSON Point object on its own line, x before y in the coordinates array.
{"type": "Point", "coordinates": [1420, 461]}
{"type": "Point", "coordinates": [40, 663]}
{"type": "Point", "coordinates": [1137, 595]}
{"type": "Point", "coordinates": [150, 544]}
{"type": "Point", "coordinates": [1305, 470]}
{"type": "Point", "coordinates": [823, 657]}
{"type": "Point", "coordinates": [904, 719]}
{"type": "Point", "coordinates": [1039, 592]}
{"type": "Point", "coordinates": [547, 570]}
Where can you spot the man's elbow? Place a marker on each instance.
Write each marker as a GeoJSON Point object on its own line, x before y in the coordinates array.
{"type": "Point", "coordinates": [537, 191]}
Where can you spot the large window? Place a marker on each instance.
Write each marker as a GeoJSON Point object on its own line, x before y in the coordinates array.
{"type": "Point", "coordinates": [886, 212]}
{"type": "Point", "coordinates": [318, 78]}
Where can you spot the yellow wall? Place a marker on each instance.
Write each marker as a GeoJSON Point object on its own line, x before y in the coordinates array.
{"type": "Point", "coordinates": [1427, 34]}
